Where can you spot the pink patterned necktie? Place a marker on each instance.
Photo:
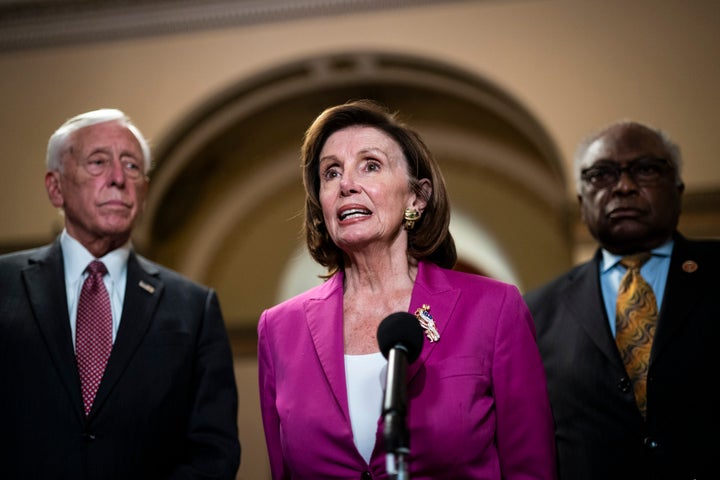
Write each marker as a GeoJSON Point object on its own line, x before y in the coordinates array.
{"type": "Point", "coordinates": [93, 332]}
{"type": "Point", "coordinates": [637, 314]}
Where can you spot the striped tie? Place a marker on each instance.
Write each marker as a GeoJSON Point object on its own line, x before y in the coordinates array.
{"type": "Point", "coordinates": [636, 319]}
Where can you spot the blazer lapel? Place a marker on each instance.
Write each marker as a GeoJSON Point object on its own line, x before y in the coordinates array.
{"type": "Point", "coordinates": [685, 281]}
{"type": "Point", "coordinates": [142, 293]}
{"type": "Point", "coordinates": [588, 308]}
{"type": "Point", "coordinates": [45, 283]}
{"type": "Point", "coordinates": [432, 289]}
{"type": "Point", "coordinates": [323, 315]}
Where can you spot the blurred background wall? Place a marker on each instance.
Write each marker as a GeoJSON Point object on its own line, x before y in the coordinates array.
{"type": "Point", "coordinates": [502, 91]}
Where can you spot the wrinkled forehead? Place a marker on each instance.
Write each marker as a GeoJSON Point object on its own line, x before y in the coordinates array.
{"type": "Point", "coordinates": [105, 134]}
{"type": "Point", "coordinates": [623, 144]}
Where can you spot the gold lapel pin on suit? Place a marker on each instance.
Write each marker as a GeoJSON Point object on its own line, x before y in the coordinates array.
{"type": "Point", "coordinates": [689, 266]}
{"type": "Point", "coordinates": [427, 323]}
{"type": "Point", "coordinates": [147, 287]}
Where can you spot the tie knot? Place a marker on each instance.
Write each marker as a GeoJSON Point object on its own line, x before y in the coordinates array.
{"type": "Point", "coordinates": [95, 267]}
{"type": "Point", "coordinates": [636, 260]}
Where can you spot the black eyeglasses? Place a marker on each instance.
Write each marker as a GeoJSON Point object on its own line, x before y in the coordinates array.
{"type": "Point", "coordinates": [644, 172]}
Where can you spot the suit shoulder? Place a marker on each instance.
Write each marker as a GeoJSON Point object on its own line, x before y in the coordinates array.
{"type": "Point", "coordinates": [551, 288]}
{"type": "Point", "coordinates": [474, 281]}
{"type": "Point", "coordinates": [23, 258]}
{"type": "Point", "coordinates": [168, 275]}
{"type": "Point", "coordinates": [435, 279]}
{"type": "Point", "coordinates": [290, 314]}
{"type": "Point", "coordinates": [708, 248]}
{"type": "Point", "coordinates": [296, 302]}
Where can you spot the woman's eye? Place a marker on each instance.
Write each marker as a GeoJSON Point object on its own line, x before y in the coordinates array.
{"type": "Point", "coordinates": [373, 166]}
{"type": "Point", "coordinates": [330, 173]}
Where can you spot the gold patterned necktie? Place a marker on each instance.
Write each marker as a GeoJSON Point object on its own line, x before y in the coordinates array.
{"type": "Point", "coordinates": [636, 318]}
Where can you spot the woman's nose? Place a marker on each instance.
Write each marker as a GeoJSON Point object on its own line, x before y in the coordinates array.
{"type": "Point", "coordinates": [348, 184]}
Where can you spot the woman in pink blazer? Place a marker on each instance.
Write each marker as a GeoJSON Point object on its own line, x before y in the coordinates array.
{"type": "Point", "coordinates": [377, 216]}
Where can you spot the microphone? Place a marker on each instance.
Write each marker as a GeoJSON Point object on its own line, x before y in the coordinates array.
{"type": "Point", "coordinates": [400, 337]}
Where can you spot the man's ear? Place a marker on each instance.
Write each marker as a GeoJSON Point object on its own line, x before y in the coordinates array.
{"type": "Point", "coordinates": [580, 207]}
{"type": "Point", "coordinates": [421, 199]}
{"type": "Point", "coordinates": [54, 189]}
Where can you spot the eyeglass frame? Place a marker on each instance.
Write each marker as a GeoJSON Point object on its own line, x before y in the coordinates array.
{"type": "Point", "coordinates": [132, 169]}
{"type": "Point", "coordinates": [631, 168]}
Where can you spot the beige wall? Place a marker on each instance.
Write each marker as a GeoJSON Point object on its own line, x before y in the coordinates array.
{"type": "Point", "coordinates": [575, 65]}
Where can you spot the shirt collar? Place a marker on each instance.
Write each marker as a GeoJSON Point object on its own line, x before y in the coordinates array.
{"type": "Point", "coordinates": [610, 260]}
{"type": "Point", "coordinates": [76, 257]}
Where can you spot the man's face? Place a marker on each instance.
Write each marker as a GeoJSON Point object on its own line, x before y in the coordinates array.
{"type": "Point", "coordinates": [638, 207]}
{"type": "Point", "coordinates": [102, 184]}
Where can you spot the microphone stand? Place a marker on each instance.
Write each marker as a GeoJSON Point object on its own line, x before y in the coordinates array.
{"type": "Point", "coordinates": [397, 436]}
{"type": "Point", "coordinates": [400, 337]}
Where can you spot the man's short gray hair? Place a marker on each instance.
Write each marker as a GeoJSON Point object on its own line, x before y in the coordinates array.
{"type": "Point", "coordinates": [58, 143]}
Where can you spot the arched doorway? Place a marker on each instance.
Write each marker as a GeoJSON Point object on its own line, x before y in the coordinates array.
{"type": "Point", "coordinates": [226, 203]}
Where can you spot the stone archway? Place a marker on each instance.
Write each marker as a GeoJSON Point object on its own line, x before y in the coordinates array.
{"type": "Point", "coordinates": [226, 202]}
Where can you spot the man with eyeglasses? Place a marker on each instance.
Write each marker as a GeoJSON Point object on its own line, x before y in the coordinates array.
{"type": "Point", "coordinates": [112, 367]}
{"type": "Point", "coordinates": [629, 359]}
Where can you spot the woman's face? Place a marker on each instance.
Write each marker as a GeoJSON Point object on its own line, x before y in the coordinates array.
{"type": "Point", "coordinates": [364, 189]}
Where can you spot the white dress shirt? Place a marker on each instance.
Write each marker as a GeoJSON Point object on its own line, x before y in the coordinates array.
{"type": "Point", "coordinates": [76, 258]}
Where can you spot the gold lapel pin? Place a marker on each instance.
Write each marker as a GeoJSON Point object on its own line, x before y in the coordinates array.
{"type": "Point", "coordinates": [689, 266]}
{"type": "Point", "coordinates": [147, 287]}
{"type": "Point", "coordinates": [427, 323]}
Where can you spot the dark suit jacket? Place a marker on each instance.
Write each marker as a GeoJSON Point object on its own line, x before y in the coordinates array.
{"type": "Point", "coordinates": [599, 430]}
{"type": "Point", "coordinates": [167, 403]}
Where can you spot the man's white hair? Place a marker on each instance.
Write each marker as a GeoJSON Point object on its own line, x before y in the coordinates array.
{"type": "Point", "coordinates": [58, 143]}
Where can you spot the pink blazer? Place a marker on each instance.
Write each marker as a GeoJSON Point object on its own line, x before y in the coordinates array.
{"type": "Point", "coordinates": [477, 400]}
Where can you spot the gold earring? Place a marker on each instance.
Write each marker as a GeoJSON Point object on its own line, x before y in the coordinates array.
{"type": "Point", "coordinates": [410, 216]}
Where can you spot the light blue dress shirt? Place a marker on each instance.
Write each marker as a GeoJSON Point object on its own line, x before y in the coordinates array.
{"type": "Point", "coordinates": [654, 271]}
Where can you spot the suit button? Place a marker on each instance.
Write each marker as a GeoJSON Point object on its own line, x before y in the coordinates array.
{"type": "Point", "coordinates": [88, 437]}
{"type": "Point", "coordinates": [366, 476]}
{"type": "Point", "coordinates": [624, 385]}
{"type": "Point", "coordinates": [650, 443]}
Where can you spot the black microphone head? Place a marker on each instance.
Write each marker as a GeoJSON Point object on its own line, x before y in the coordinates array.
{"type": "Point", "coordinates": [400, 328]}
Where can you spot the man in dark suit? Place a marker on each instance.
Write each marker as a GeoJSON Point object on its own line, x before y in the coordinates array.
{"type": "Point", "coordinates": [141, 388]}
{"type": "Point", "coordinates": [614, 422]}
